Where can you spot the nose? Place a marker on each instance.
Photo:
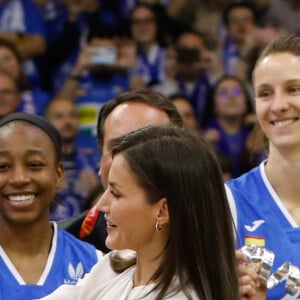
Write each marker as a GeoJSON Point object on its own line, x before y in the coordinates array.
{"type": "Point", "coordinates": [19, 176]}
{"type": "Point", "coordinates": [103, 203]}
{"type": "Point", "coordinates": [280, 103]}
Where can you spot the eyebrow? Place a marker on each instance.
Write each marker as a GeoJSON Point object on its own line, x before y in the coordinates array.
{"type": "Point", "coordinates": [293, 80]}
{"type": "Point", "coordinates": [30, 151]}
{"type": "Point", "coordinates": [114, 184]}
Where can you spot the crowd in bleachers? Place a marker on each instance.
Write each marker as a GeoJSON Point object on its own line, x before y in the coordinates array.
{"type": "Point", "coordinates": [65, 58]}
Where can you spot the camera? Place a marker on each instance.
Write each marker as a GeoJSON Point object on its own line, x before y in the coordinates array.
{"type": "Point", "coordinates": [188, 55]}
{"type": "Point", "coordinates": [102, 55]}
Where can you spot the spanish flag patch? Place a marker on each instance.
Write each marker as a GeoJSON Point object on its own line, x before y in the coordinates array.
{"type": "Point", "coordinates": [255, 240]}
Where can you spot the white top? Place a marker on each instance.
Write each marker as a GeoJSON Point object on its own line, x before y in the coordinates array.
{"type": "Point", "coordinates": [102, 283]}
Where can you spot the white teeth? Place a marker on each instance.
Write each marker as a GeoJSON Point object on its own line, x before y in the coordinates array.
{"type": "Point", "coordinates": [283, 123]}
{"type": "Point", "coordinates": [110, 224]}
{"type": "Point", "coordinates": [20, 198]}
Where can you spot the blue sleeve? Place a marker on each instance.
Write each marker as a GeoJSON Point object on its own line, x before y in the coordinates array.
{"type": "Point", "coordinates": [33, 18]}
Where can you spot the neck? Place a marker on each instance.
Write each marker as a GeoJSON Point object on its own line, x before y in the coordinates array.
{"type": "Point", "coordinates": [146, 46]}
{"type": "Point", "coordinates": [283, 169]}
{"type": "Point", "coordinates": [145, 268]}
{"type": "Point", "coordinates": [190, 78]}
{"type": "Point", "coordinates": [68, 147]}
{"type": "Point", "coordinates": [149, 258]}
{"type": "Point", "coordinates": [15, 239]}
{"type": "Point", "coordinates": [231, 124]}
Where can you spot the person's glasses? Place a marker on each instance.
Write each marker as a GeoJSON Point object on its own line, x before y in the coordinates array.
{"type": "Point", "coordinates": [226, 93]}
{"type": "Point", "coordinates": [145, 21]}
{"type": "Point", "coordinates": [8, 92]}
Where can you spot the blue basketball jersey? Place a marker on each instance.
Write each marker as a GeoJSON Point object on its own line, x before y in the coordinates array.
{"type": "Point", "coordinates": [68, 260]}
{"type": "Point", "coordinates": [262, 219]}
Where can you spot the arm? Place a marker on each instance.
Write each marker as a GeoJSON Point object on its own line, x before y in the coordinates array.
{"type": "Point", "coordinates": [69, 88]}
{"type": "Point", "coordinates": [29, 45]}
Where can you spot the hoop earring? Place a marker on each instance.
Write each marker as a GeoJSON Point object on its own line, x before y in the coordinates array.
{"type": "Point", "coordinates": [158, 226]}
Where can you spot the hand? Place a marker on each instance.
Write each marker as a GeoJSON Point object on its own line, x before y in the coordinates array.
{"type": "Point", "coordinates": [9, 36]}
{"type": "Point", "coordinates": [264, 36]}
{"type": "Point", "coordinates": [250, 286]}
{"type": "Point", "coordinates": [127, 54]}
{"type": "Point", "coordinates": [211, 135]}
{"type": "Point", "coordinates": [211, 62]}
{"type": "Point", "coordinates": [88, 180]}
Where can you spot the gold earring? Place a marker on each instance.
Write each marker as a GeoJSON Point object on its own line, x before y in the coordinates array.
{"type": "Point", "coordinates": [158, 226]}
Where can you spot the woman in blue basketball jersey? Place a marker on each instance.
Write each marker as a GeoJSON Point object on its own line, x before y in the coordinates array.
{"type": "Point", "coordinates": [35, 256]}
{"type": "Point", "coordinates": [265, 201]}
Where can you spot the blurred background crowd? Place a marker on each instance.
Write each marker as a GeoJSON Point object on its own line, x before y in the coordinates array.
{"type": "Point", "coordinates": [64, 59]}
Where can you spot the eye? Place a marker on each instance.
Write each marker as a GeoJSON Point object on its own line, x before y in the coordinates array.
{"type": "Point", "coordinates": [114, 194]}
{"type": "Point", "coordinates": [35, 165]}
{"type": "Point", "coordinates": [294, 89]}
{"type": "Point", "coordinates": [264, 94]}
{"type": "Point", "coordinates": [4, 167]}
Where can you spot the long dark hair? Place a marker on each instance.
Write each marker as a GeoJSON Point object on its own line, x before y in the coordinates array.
{"type": "Point", "coordinates": [209, 112]}
{"type": "Point", "coordinates": [23, 83]}
{"type": "Point", "coordinates": [172, 163]}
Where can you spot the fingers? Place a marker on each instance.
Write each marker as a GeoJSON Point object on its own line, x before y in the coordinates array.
{"type": "Point", "coordinates": [248, 277]}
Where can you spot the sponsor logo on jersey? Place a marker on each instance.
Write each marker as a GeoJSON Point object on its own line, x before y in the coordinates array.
{"type": "Point", "coordinates": [255, 225]}
{"type": "Point", "coordinates": [75, 273]}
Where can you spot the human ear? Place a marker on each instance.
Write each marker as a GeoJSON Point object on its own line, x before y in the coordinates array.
{"type": "Point", "coordinates": [59, 176]}
{"type": "Point", "coordinates": [163, 212]}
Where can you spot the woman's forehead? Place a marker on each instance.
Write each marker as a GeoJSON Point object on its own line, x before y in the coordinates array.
{"type": "Point", "coordinates": [24, 130]}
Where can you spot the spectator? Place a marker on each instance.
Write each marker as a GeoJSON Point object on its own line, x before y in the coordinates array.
{"type": "Point", "coordinates": [103, 69]}
{"type": "Point", "coordinates": [33, 99]}
{"type": "Point", "coordinates": [208, 19]}
{"type": "Point", "coordinates": [145, 33]}
{"type": "Point", "coordinates": [244, 39]}
{"type": "Point", "coordinates": [186, 111]}
{"type": "Point", "coordinates": [169, 85]}
{"type": "Point", "coordinates": [9, 94]}
{"type": "Point", "coordinates": [285, 14]}
{"type": "Point", "coordinates": [230, 121]}
{"type": "Point", "coordinates": [21, 23]}
{"type": "Point", "coordinates": [80, 174]}
{"type": "Point", "coordinates": [197, 69]}
{"type": "Point", "coordinates": [126, 112]}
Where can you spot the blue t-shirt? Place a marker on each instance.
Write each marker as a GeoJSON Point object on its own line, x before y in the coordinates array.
{"type": "Point", "coordinates": [198, 95]}
{"type": "Point", "coordinates": [151, 65]}
{"type": "Point", "coordinates": [262, 219]}
{"type": "Point", "coordinates": [91, 95]}
{"type": "Point", "coordinates": [34, 101]}
{"type": "Point", "coordinates": [231, 56]}
{"type": "Point", "coordinates": [68, 260]}
{"type": "Point", "coordinates": [72, 197]}
{"type": "Point", "coordinates": [231, 145]}
{"type": "Point", "coordinates": [23, 16]}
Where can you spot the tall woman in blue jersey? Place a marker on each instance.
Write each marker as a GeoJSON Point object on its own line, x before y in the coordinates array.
{"type": "Point", "coordinates": [266, 200]}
